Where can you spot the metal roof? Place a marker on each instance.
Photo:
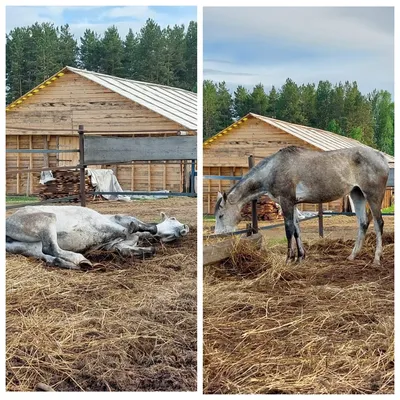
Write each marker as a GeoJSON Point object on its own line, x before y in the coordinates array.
{"type": "Point", "coordinates": [319, 138]}
{"type": "Point", "coordinates": [176, 104]}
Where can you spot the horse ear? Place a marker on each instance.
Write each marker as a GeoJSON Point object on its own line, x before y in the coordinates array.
{"type": "Point", "coordinates": [163, 216]}
{"type": "Point", "coordinates": [225, 197]}
{"type": "Point", "coordinates": [219, 196]}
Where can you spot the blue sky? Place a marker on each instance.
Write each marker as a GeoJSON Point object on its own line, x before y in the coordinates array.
{"type": "Point", "coordinates": [247, 45]}
{"type": "Point", "coordinates": [99, 18]}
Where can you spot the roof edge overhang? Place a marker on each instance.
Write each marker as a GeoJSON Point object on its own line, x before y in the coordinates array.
{"type": "Point", "coordinates": [36, 89]}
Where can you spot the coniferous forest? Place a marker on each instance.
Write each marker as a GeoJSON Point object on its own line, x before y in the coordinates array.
{"type": "Point", "coordinates": [336, 107]}
{"type": "Point", "coordinates": [166, 56]}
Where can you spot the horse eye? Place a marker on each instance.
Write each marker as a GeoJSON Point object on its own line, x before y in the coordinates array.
{"type": "Point", "coordinates": [221, 216]}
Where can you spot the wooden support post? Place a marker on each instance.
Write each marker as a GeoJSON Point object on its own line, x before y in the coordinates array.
{"type": "Point", "coordinates": [254, 220]}
{"type": "Point", "coordinates": [133, 176]}
{"type": "Point", "coordinates": [149, 176]}
{"type": "Point", "coordinates": [192, 177]}
{"type": "Point", "coordinates": [30, 166]}
{"type": "Point", "coordinates": [18, 167]}
{"type": "Point", "coordinates": [320, 220]}
{"type": "Point", "coordinates": [82, 166]}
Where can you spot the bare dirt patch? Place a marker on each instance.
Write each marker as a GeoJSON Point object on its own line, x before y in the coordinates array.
{"type": "Point", "coordinates": [324, 326]}
{"type": "Point", "coordinates": [130, 326]}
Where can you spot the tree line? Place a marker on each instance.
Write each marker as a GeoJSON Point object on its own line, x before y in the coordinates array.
{"type": "Point", "coordinates": [339, 108]}
{"type": "Point", "coordinates": [166, 56]}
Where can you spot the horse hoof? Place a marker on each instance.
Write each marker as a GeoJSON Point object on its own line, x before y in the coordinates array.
{"type": "Point", "coordinates": [85, 265]}
{"type": "Point", "coordinates": [377, 263]}
{"type": "Point", "coordinates": [350, 258]}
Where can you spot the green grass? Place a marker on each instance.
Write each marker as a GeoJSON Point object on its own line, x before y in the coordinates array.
{"type": "Point", "coordinates": [210, 218]}
{"type": "Point", "coordinates": [21, 199]}
{"type": "Point", "coordinates": [388, 209]}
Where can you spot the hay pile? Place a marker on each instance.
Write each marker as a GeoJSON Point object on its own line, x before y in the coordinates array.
{"type": "Point", "coordinates": [326, 326]}
{"type": "Point", "coordinates": [130, 326]}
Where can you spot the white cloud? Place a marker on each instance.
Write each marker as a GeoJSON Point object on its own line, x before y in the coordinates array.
{"type": "Point", "coordinates": [309, 26]}
{"type": "Point", "coordinates": [309, 45]}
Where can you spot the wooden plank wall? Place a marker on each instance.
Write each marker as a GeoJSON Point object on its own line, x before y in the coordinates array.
{"type": "Point", "coordinates": [72, 101]}
{"type": "Point", "coordinates": [25, 183]}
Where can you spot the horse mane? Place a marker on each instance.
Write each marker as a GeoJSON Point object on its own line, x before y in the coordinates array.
{"type": "Point", "coordinates": [291, 149]}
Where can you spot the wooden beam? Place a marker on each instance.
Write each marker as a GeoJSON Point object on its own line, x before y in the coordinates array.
{"type": "Point", "coordinates": [107, 150]}
{"type": "Point", "coordinates": [149, 176]}
{"type": "Point", "coordinates": [218, 252]}
{"type": "Point", "coordinates": [133, 176]}
{"type": "Point", "coordinates": [30, 165]}
{"type": "Point", "coordinates": [18, 167]}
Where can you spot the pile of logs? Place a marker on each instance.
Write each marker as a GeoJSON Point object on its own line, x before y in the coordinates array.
{"type": "Point", "coordinates": [66, 184]}
{"type": "Point", "coordinates": [267, 210]}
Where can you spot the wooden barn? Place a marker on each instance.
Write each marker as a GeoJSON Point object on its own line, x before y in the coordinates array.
{"type": "Point", "coordinates": [226, 154]}
{"type": "Point", "coordinates": [48, 117]}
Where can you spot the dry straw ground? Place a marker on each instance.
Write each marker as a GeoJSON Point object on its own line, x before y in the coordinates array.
{"type": "Point", "coordinates": [127, 327]}
{"type": "Point", "coordinates": [326, 326]}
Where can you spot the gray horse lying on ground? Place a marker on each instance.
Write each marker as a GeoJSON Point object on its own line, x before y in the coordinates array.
{"type": "Point", "coordinates": [296, 175]}
{"type": "Point", "coordinates": [59, 234]}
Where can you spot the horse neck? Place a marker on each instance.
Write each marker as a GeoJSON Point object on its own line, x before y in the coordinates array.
{"type": "Point", "coordinates": [252, 186]}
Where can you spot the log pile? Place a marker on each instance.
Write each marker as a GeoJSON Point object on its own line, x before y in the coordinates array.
{"type": "Point", "coordinates": [267, 210]}
{"type": "Point", "coordinates": [66, 184]}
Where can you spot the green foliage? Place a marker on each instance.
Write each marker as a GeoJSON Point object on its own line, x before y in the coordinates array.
{"type": "Point", "coordinates": [388, 210]}
{"type": "Point", "coordinates": [217, 107]}
{"type": "Point", "coordinates": [338, 108]}
{"type": "Point", "coordinates": [165, 56]}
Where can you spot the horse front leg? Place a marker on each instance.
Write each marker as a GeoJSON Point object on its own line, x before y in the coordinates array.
{"type": "Point", "coordinates": [301, 253]}
{"type": "Point", "coordinates": [288, 215]}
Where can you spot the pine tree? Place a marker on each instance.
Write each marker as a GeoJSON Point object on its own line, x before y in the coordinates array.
{"type": "Point", "coordinates": [174, 55]}
{"type": "Point", "coordinates": [210, 109]}
{"type": "Point", "coordinates": [190, 80]}
{"type": "Point", "coordinates": [224, 106]}
{"type": "Point", "coordinates": [322, 104]}
{"type": "Point", "coordinates": [150, 47]}
{"type": "Point", "coordinates": [67, 48]}
{"type": "Point", "coordinates": [272, 103]}
{"type": "Point", "coordinates": [112, 50]}
{"type": "Point", "coordinates": [241, 101]}
{"type": "Point", "coordinates": [308, 100]}
{"type": "Point", "coordinates": [258, 100]}
{"type": "Point", "coordinates": [384, 122]}
{"type": "Point", "coordinates": [90, 51]}
{"type": "Point", "coordinates": [129, 59]}
{"type": "Point", "coordinates": [288, 106]}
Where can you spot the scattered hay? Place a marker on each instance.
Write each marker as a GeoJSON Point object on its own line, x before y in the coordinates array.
{"type": "Point", "coordinates": [323, 326]}
{"type": "Point", "coordinates": [128, 325]}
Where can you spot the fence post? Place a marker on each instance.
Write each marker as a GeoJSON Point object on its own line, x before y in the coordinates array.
{"type": "Point", "coordinates": [82, 166]}
{"type": "Point", "coordinates": [254, 221]}
{"type": "Point", "coordinates": [192, 177]}
{"type": "Point", "coordinates": [320, 220]}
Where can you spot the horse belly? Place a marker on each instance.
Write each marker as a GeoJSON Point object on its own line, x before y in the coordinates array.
{"type": "Point", "coordinates": [323, 194]}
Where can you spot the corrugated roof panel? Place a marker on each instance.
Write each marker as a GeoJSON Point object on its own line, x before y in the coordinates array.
{"type": "Point", "coordinates": [319, 138]}
{"type": "Point", "coordinates": [176, 104]}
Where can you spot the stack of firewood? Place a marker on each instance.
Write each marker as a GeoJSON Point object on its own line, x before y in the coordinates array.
{"type": "Point", "coordinates": [66, 184]}
{"type": "Point", "coordinates": [267, 210]}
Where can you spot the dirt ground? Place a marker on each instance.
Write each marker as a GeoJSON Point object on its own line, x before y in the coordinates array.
{"type": "Point", "coordinates": [324, 326]}
{"type": "Point", "coordinates": [129, 326]}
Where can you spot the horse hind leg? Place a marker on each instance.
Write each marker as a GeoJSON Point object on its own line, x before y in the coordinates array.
{"type": "Point", "coordinates": [375, 202]}
{"type": "Point", "coordinates": [35, 250]}
{"type": "Point", "coordinates": [360, 203]}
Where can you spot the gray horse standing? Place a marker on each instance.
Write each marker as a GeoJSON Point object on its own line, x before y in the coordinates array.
{"type": "Point", "coordinates": [296, 175]}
